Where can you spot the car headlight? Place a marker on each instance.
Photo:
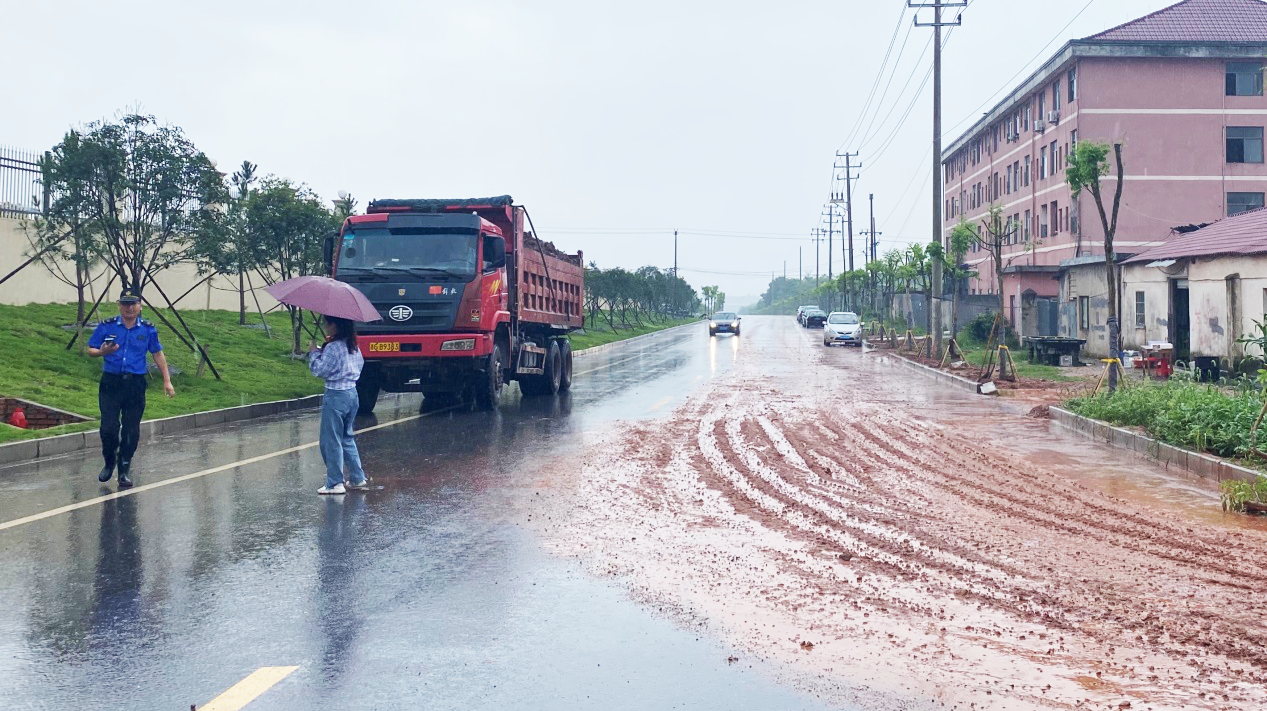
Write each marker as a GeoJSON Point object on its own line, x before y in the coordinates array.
{"type": "Point", "coordinates": [712, 324]}
{"type": "Point", "coordinates": [465, 344]}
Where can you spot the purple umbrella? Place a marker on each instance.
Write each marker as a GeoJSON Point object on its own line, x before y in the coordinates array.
{"type": "Point", "coordinates": [325, 296]}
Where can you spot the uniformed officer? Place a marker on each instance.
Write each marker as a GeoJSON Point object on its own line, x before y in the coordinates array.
{"type": "Point", "coordinates": [122, 342]}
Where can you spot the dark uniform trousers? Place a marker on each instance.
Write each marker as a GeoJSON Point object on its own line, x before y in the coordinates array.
{"type": "Point", "coordinates": [121, 397]}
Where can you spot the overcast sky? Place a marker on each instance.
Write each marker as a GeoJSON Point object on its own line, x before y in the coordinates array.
{"type": "Point", "coordinates": [614, 123]}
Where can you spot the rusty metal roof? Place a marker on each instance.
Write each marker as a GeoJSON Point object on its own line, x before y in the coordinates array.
{"type": "Point", "coordinates": [1242, 234]}
{"type": "Point", "coordinates": [1196, 21]}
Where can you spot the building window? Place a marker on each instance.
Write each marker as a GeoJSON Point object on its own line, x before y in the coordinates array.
{"type": "Point", "coordinates": [1042, 222]}
{"type": "Point", "coordinates": [1055, 164]}
{"type": "Point", "coordinates": [1244, 144]}
{"type": "Point", "coordinates": [1028, 220]}
{"type": "Point", "coordinates": [1073, 85]}
{"type": "Point", "coordinates": [1139, 309]}
{"type": "Point", "coordinates": [1027, 162]}
{"type": "Point", "coordinates": [1042, 163]}
{"type": "Point", "coordinates": [1029, 110]}
{"type": "Point", "coordinates": [1084, 312]}
{"type": "Point", "coordinates": [1055, 218]}
{"type": "Point", "coordinates": [1055, 96]}
{"type": "Point", "coordinates": [1243, 202]}
{"type": "Point", "coordinates": [1073, 139]}
{"type": "Point", "coordinates": [1244, 79]}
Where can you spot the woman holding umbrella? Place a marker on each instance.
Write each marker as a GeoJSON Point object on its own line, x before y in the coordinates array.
{"type": "Point", "coordinates": [339, 362]}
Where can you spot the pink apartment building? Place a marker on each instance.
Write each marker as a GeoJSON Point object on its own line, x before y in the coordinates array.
{"type": "Point", "coordinates": [1181, 88]}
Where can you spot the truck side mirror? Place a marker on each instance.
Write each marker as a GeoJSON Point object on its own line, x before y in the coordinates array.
{"type": "Point", "coordinates": [327, 254]}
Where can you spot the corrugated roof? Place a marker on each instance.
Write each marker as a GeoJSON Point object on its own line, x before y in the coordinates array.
{"type": "Point", "coordinates": [1243, 234]}
{"type": "Point", "coordinates": [1196, 21]}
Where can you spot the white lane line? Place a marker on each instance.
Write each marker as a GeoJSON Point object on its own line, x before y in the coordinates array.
{"type": "Point", "coordinates": [615, 362]}
{"type": "Point", "coordinates": [247, 690]}
{"type": "Point", "coordinates": [662, 403]}
{"type": "Point", "coordinates": [205, 472]}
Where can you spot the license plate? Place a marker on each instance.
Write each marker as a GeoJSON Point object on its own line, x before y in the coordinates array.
{"type": "Point", "coordinates": [392, 347]}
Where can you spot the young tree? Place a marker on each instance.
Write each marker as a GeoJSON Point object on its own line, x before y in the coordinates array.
{"type": "Point", "coordinates": [140, 194]}
{"type": "Point", "coordinates": [961, 240]}
{"type": "Point", "coordinates": [289, 224]}
{"type": "Point", "coordinates": [997, 233]}
{"type": "Point", "coordinates": [1087, 163]}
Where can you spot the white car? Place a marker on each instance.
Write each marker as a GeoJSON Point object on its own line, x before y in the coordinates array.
{"type": "Point", "coordinates": [842, 327]}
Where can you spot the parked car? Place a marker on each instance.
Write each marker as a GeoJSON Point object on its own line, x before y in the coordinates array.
{"type": "Point", "coordinates": [842, 327]}
{"type": "Point", "coordinates": [724, 322]}
{"type": "Point", "coordinates": [814, 318]}
{"type": "Point", "coordinates": [800, 313]}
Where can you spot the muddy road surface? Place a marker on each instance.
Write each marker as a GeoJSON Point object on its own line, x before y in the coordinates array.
{"type": "Point", "coordinates": [888, 543]}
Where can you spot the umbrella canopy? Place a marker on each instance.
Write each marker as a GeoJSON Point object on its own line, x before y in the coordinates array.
{"type": "Point", "coordinates": [325, 296]}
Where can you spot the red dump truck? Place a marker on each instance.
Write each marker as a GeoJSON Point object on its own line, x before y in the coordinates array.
{"type": "Point", "coordinates": [470, 299]}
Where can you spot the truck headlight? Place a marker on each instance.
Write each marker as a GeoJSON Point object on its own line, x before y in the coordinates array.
{"type": "Point", "coordinates": [465, 344]}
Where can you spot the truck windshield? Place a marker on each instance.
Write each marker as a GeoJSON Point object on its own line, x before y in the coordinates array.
{"type": "Point", "coordinates": [426, 252]}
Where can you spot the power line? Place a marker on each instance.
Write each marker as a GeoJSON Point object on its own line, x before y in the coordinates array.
{"type": "Point", "coordinates": [866, 135]}
{"type": "Point", "coordinates": [878, 76]}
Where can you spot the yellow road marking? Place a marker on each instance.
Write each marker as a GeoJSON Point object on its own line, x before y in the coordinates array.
{"type": "Point", "coordinates": [662, 403]}
{"type": "Point", "coordinates": [205, 472]}
{"type": "Point", "coordinates": [247, 690]}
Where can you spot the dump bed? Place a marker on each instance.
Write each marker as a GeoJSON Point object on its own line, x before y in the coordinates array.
{"type": "Point", "coordinates": [551, 284]}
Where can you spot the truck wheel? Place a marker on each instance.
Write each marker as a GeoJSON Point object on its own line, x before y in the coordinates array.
{"type": "Point", "coordinates": [554, 369]}
{"type": "Point", "coordinates": [367, 388]}
{"type": "Point", "coordinates": [565, 376]}
{"type": "Point", "coordinates": [489, 388]}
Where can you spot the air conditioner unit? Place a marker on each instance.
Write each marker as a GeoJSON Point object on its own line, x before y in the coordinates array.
{"type": "Point", "coordinates": [1053, 117]}
{"type": "Point", "coordinates": [1040, 125]}
{"type": "Point", "coordinates": [1013, 136]}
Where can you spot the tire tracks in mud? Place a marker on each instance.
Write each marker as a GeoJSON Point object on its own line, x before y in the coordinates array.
{"type": "Point", "coordinates": [916, 552]}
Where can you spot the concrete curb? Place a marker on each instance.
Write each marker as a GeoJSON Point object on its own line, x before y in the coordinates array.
{"type": "Point", "coordinates": [1202, 465]}
{"type": "Point", "coordinates": [614, 344]}
{"type": "Point", "coordinates": [150, 429]}
{"type": "Point", "coordinates": [940, 375]}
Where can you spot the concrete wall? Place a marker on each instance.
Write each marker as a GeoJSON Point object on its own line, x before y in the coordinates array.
{"type": "Point", "coordinates": [1155, 284]}
{"type": "Point", "coordinates": [1086, 280]}
{"type": "Point", "coordinates": [1226, 296]}
{"type": "Point", "coordinates": [36, 285]}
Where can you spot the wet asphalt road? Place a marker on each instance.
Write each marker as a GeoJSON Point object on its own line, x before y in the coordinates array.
{"type": "Point", "coordinates": [428, 592]}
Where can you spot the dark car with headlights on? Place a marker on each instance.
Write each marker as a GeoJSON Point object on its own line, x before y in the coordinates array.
{"type": "Point", "coordinates": [814, 318]}
{"type": "Point", "coordinates": [724, 322]}
{"type": "Point", "coordinates": [842, 327]}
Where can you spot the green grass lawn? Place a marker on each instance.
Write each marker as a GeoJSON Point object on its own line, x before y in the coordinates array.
{"type": "Point", "coordinates": [38, 367]}
{"type": "Point", "coordinates": [603, 334]}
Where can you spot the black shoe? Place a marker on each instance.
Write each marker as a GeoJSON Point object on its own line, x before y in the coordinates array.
{"type": "Point", "coordinates": [106, 472]}
{"type": "Point", "coordinates": [125, 468]}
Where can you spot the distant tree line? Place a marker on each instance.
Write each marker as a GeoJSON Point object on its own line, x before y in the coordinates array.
{"type": "Point", "coordinates": [619, 298]}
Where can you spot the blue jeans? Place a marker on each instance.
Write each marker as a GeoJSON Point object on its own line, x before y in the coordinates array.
{"type": "Point", "coordinates": [338, 410]}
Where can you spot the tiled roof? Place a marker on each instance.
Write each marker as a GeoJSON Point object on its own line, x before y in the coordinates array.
{"type": "Point", "coordinates": [1243, 234]}
{"type": "Point", "coordinates": [1196, 21]}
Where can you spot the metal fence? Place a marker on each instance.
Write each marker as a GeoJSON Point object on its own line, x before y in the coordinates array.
{"type": "Point", "coordinates": [21, 191]}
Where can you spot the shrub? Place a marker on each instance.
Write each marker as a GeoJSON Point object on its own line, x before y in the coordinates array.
{"type": "Point", "coordinates": [978, 329]}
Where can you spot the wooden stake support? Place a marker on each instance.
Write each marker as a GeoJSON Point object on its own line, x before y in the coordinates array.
{"type": "Point", "coordinates": [1104, 374]}
{"type": "Point", "coordinates": [952, 350]}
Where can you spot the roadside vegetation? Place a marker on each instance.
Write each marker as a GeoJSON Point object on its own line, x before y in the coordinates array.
{"type": "Point", "coordinates": [602, 334]}
{"type": "Point", "coordinates": [254, 368]}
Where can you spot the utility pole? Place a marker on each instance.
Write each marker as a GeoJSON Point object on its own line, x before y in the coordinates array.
{"type": "Point", "coordinates": [831, 219]}
{"type": "Point", "coordinates": [937, 24]}
{"type": "Point", "coordinates": [847, 198]}
{"type": "Point", "coordinates": [800, 262]}
{"type": "Point", "coordinates": [675, 253]}
{"type": "Point", "coordinates": [815, 232]}
{"type": "Point", "coordinates": [872, 249]}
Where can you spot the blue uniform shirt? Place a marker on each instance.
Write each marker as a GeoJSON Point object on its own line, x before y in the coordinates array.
{"type": "Point", "coordinates": [133, 342]}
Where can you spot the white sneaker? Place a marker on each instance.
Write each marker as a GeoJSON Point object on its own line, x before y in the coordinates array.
{"type": "Point", "coordinates": [359, 486]}
{"type": "Point", "coordinates": [336, 489]}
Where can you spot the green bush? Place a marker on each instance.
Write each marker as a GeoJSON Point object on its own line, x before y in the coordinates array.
{"type": "Point", "coordinates": [978, 329]}
{"type": "Point", "coordinates": [1184, 414]}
